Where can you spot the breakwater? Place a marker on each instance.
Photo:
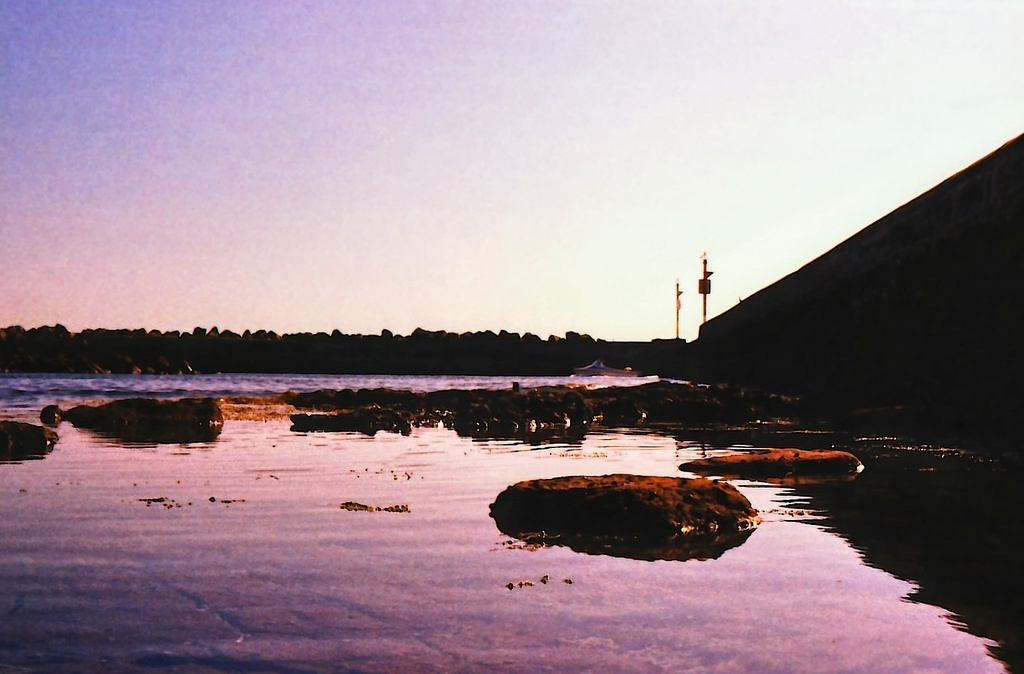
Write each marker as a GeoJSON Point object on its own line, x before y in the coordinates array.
{"type": "Point", "coordinates": [913, 321]}
{"type": "Point", "coordinates": [55, 349]}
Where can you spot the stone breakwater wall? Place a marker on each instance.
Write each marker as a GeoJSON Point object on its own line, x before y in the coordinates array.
{"type": "Point", "coordinates": [919, 312]}
{"type": "Point", "coordinates": [55, 349]}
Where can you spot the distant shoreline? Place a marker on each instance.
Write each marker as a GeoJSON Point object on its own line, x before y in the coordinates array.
{"type": "Point", "coordinates": [55, 349]}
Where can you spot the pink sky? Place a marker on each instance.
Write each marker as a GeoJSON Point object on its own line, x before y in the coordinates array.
{"type": "Point", "coordinates": [528, 166]}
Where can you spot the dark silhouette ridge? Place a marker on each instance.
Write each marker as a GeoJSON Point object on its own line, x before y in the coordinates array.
{"type": "Point", "coordinates": [55, 349]}
{"type": "Point", "coordinates": [914, 322]}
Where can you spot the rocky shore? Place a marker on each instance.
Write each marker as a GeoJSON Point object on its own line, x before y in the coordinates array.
{"type": "Point", "coordinates": [541, 413]}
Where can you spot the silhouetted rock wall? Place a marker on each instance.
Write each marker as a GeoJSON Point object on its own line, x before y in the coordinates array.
{"type": "Point", "coordinates": [55, 349]}
{"type": "Point", "coordinates": [920, 311]}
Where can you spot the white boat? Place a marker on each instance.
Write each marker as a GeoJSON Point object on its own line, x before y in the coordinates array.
{"type": "Point", "coordinates": [599, 369]}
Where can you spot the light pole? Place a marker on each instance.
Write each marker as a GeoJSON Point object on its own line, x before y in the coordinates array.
{"type": "Point", "coordinates": [704, 287]}
{"type": "Point", "coordinates": [679, 305]}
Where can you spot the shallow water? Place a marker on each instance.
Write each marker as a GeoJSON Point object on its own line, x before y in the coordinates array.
{"type": "Point", "coordinates": [23, 395]}
{"type": "Point", "coordinates": [249, 564]}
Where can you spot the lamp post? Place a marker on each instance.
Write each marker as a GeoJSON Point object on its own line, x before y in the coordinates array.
{"type": "Point", "coordinates": [704, 287]}
{"type": "Point", "coordinates": [679, 305]}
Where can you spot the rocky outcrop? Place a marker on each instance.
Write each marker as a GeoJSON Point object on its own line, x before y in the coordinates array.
{"type": "Point", "coordinates": [362, 507]}
{"type": "Point", "coordinates": [779, 463]}
{"type": "Point", "coordinates": [643, 517]}
{"type": "Point", "coordinates": [556, 413]}
{"type": "Point", "coordinates": [149, 420]}
{"type": "Point", "coordinates": [20, 441]}
{"type": "Point", "coordinates": [367, 420]}
{"type": "Point", "coordinates": [50, 415]}
{"type": "Point", "coordinates": [687, 404]}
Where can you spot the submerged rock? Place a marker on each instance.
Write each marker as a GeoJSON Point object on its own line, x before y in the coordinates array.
{"type": "Point", "coordinates": [20, 441]}
{"type": "Point", "coordinates": [362, 507]}
{"type": "Point", "coordinates": [149, 420]}
{"type": "Point", "coordinates": [779, 463]}
{"type": "Point", "coordinates": [642, 517]}
{"type": "Point", "coordinates": [367, 420]}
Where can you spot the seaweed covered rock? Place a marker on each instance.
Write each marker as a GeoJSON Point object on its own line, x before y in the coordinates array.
{"type": "Point", "coordinates": [683, 403]}
{"type": "Point", "coordinates": [367, 420]}
{"type": "Point", "coordinates": [643, 517]}
{"type": "Point", "coordinates": [557, 412]}
{"type": "Point", "coordinates": [779, 463]}
{"type": "Point", "coordinates": [149, 420]}
{"type": "Point", "coordinates": [546, 412]}
{"type": "Point", "coordinates": [20, 441]}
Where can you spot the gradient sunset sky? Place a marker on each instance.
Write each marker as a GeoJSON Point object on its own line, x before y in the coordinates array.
{"type": "Point", "coordinates": [529, 166]}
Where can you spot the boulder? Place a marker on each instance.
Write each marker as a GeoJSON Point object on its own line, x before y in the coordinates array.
{"type": "Point", "coordinates": [50, 415]}
{"type": "Point", "coordinates": [20, 441]}
{"type": "Point", "coordinates": [779, 463]}
{"type": "Point", "coordinates": [149, 420]}
{"type": "Point", "coordinates": [642, 517]}
{"type": "Point", "coordinates": [367, 420]}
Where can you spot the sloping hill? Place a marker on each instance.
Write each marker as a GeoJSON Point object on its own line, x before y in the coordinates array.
{"type": "Point", "coordinates": [921, 311]}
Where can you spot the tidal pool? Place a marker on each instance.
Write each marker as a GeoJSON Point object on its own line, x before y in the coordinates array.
{"type": "Point", "coordinates": [236, 556]}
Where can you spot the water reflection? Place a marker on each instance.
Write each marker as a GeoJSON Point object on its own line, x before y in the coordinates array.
{"type": "Point", "coordinates": [946, 521]}
{"type": "Point", "coordinates": [20, 441]}
{"type": "Point", "coordinates": [146, 435]}
{"type": "Point", "coordinates": [10, 453]}
{"type": "Point", "coordinates": [282, 579]}
{"type": "Point", "coordinates": [950, 524]}
{"type": "Point", "coordinates": [679, 548]}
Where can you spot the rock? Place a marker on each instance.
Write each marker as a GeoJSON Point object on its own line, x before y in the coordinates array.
{"type": "Point", "coordinates": [550, 412]}
{"type": "Point", "coordinates": [149, 420]}
{"type": "Point", "coordinates": [362, 507]}
{"type": "Point", "coordinates": [779, 463]}
{"type": "Point", "coordinates": [50, 415]}
{"type": "Point", "coordinates": [367, 420]}
{"type": "Point", "coordinates": [20, 441]}
{"type": "Point", "coordinates": [642, 517]}
{"type": "Point", "coordinates": [560, 413]}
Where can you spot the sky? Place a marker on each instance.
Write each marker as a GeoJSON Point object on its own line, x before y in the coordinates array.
{"type": "Point", "coordinates": [522, 165]}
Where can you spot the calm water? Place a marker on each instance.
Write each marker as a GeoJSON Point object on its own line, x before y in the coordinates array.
{"type": "Point", "coordinates": [234, 556]}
